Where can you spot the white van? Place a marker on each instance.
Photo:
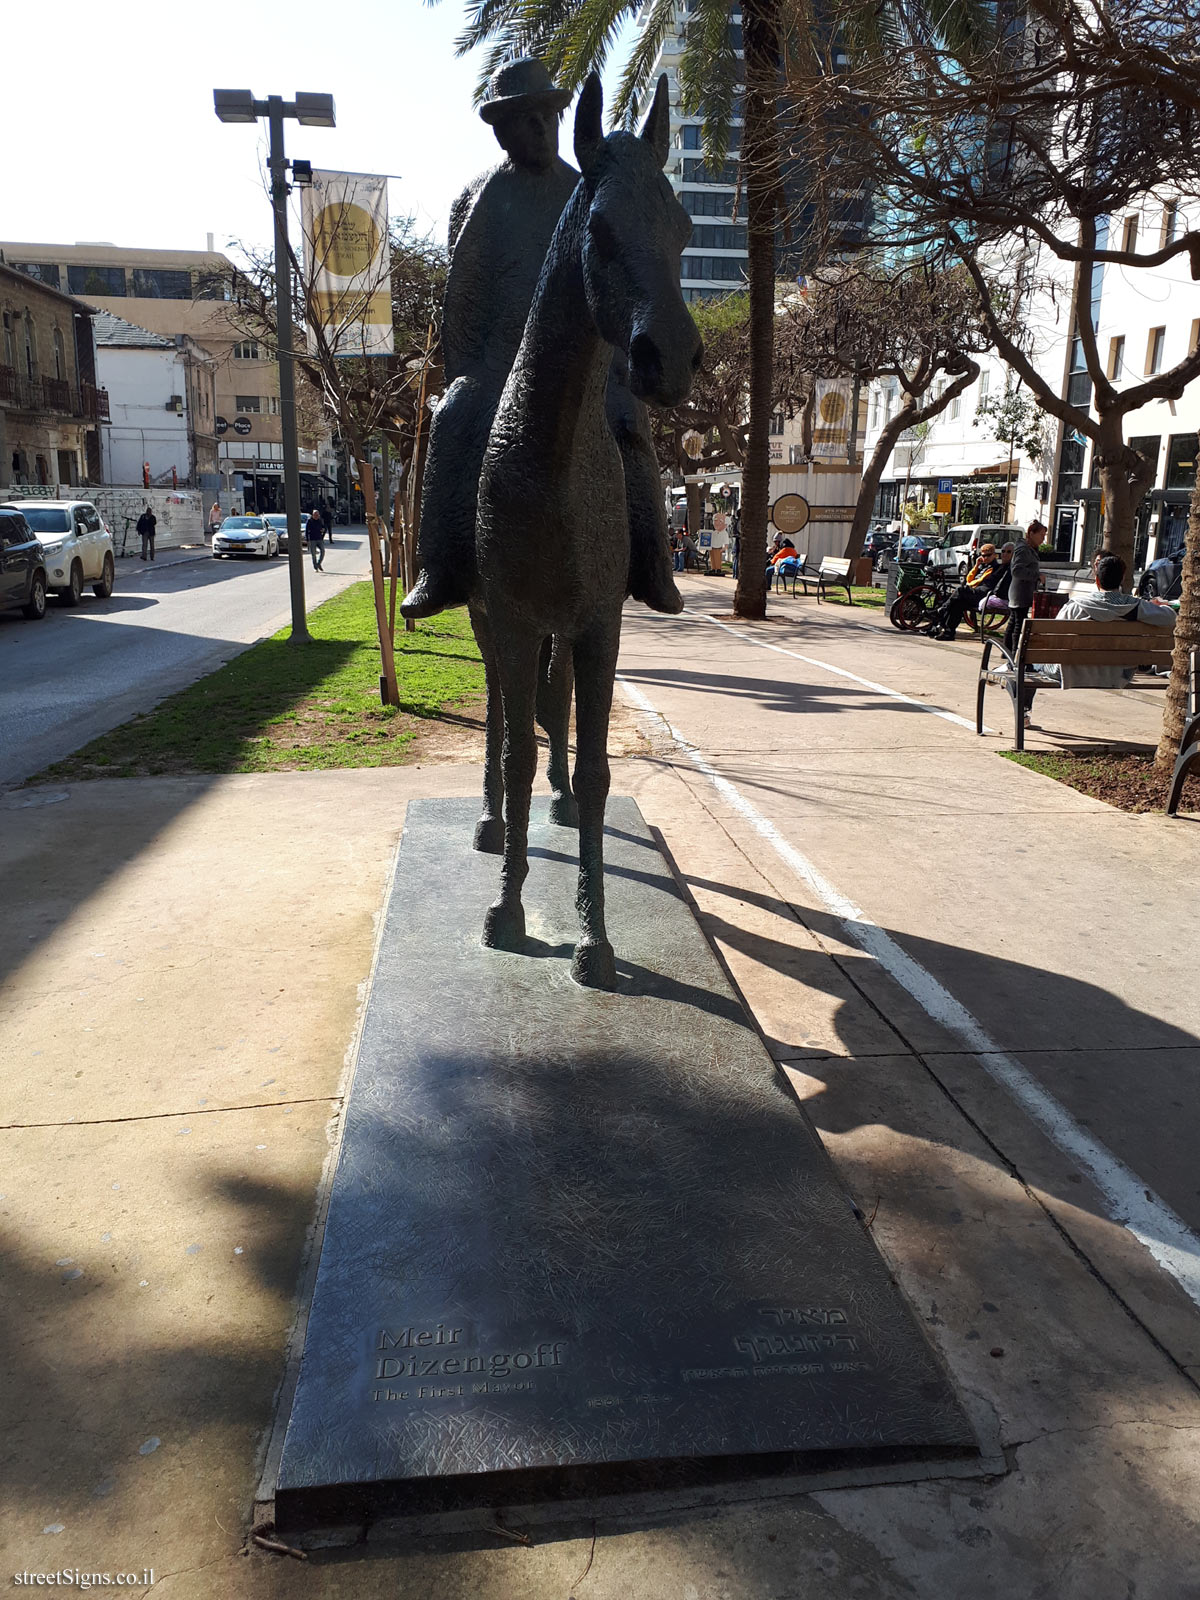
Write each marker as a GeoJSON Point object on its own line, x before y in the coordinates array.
{"type": "Point", "coordinates": [960, 544]}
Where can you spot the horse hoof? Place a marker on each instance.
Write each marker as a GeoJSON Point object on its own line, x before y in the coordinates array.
{"type": "Point", "coordinates": [504, 927]}
{"type": "Point", "coordinates": [564, 811]}
{"type": "Point", "coordinates": [595, 966]}
{"type": "Point", "coordinates": [489, 835]}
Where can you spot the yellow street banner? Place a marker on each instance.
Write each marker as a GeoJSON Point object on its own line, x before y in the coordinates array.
{"type": "Point", "coordinates": [348, 264]}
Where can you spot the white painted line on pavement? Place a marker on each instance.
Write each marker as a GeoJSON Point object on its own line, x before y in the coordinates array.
{"type": "Point", "coordinates": [1130, 1203]}
{"type": "Point", "coordinates": [840, 672]}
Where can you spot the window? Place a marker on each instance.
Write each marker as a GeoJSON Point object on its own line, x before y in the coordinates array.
{"type": "Point", "coordinates": [1194, 340]}
{"type": "Point", "coordinates": [247, 350]}
{"type": "Point", "coordinates": [212, 286]}
{"type": "Point", "coordinates": [697, 172]}
{"type": "Point", "coordinates": [60, 363]}
{"type": "Point", "coordinates": [776, 422]}
{"type": "Point", "coordinates": [31, 357]}
{"type": "Point", "coordinates": [1116, 357]}
{"type": "Point", "coordinates": [955, 407]}
{"type": "Point", "coordinates": [1170, 223]}
{"type": "Point", "coordinates": [1154, 350]}
{"type": "Point", "coordinates": [153, 283]}
{"type": "Point", "coordinates": [109, 281]}
{"type": "Point", "coordinates": [273, 405]}
{"type": "Point", "coordinates": [1181, 461]}
{"type": "Point", "coordinates": [1129, 235]}
{"type": "Point", "coordinates": [718, 268]}
{"type": "Point", "coordinates": [10, 345]}
{"type": "Point", "coordinates": [247, 404]}
{"type": "Point", "coordinates": [691, 136]}
{"type": "Point", "coordinates": [43, 271]}
{"type": "Point", "coordinates": [985, 383]}
{"type": "Point", "coordinates": [704, 203]}
{"type": "Point", "coordinates": [710, 236]}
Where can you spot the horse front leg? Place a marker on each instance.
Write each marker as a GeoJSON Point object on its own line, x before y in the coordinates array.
{"type": "Point", "coordinates": [556, 680]}
{"type": "Point", "coordinates": [489, 830]}
{"type": "Point", "coordinates": [517, 659]}
{"type": "Point", "coordinates": [594, 964]}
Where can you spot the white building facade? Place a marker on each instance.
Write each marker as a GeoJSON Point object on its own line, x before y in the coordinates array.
{"type": "Point", "coordinates": [162, 405]}
{"type": "Point", "coordinates": [1147, 319]}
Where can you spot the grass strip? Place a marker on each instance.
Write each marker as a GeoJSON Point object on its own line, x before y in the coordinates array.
{"type": "Point", "coordinates": [1128, 780]}
{"type": "Point", "coordinates": [280, 707]}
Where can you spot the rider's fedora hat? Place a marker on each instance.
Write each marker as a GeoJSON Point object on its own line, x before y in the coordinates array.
{"type": "Point", "coordinates": [522, 86]}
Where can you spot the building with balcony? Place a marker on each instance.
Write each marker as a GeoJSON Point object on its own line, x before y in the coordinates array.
{"type": "Point", "coordinates": [51, 406]}
{"type": "Point", "coordinates": [183, 294]}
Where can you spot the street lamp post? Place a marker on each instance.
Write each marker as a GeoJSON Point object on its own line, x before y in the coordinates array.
{"type": "Point", "coordinates": [314, 111]}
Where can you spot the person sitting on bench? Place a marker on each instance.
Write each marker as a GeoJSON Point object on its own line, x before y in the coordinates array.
{"type": "Point", "coordinates": [1108, 602]}
{"type": "Point", "coordinates": [980, 581]}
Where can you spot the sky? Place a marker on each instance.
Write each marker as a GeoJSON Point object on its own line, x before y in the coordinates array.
{"type": "Point", "coordinates": [120, 142]}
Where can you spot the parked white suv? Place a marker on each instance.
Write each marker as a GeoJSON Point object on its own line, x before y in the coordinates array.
{"type": "Point", "coordinates": [76, 545]}
{"type": "Point", "coordinates": [960, 544]}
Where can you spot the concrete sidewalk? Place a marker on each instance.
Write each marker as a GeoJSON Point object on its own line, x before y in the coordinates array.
{"type": "Point", "coordinates": [182, 964]}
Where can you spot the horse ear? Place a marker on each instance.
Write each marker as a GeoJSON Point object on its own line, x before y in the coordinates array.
{"type": "Point", "coordinates": [657, 127]}
{"type": "Point", "coordinates": [589, 124]}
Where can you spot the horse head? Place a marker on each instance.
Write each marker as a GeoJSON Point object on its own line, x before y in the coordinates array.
{"type": "Point", "coordinates": [635, 232]}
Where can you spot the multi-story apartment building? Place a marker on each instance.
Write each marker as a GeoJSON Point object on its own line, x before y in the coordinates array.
{"type": "Point", "coordinates": [182, 293]}
{"type": "Point", "coordinates": [714, 262]}
{"type": "Point", "coordinates": [51, 407]}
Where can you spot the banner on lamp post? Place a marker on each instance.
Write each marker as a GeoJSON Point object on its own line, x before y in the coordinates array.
{"type": "Point", "coordinates": [348, 264]}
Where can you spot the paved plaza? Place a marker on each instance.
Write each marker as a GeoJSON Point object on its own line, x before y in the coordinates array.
{"type": "Point", "coordinates": [981, 985]}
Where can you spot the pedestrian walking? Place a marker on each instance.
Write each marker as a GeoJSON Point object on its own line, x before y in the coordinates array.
{"type": "Point", "coordinates": [147, 526]}
{"type": "Point", "coordinates": [214, 519]}
{"type": "Point", "coordinates": [326, 517]}
{"type": "Point", "coordinates": [314, 532]}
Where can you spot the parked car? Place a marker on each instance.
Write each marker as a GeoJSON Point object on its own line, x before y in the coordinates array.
{"type": "Point", "coordinates": [1163, 578]}
{"type": "Point", "coordinates": [916, 547]}
{"type": "Point", "coordinates": [881, 540]}
{"type": "Point", "coordinates": [76, 545]}
{"type": "Point", "coordinates": [278, 521]}
{"type": "Point", "coordinates": [245, 536]}
{"type": "Point", "coordinates": [960, 544]}
{"type": "Point", "coordinates": [22, 566]}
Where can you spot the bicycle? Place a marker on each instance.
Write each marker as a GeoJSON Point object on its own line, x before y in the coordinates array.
{"type": "Point", "coordinates": [918, 606]}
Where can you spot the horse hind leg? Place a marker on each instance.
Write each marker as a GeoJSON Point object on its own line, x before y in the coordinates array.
{"type": "Point", "coordinates": [594, 964]}
{"type": "Point", "coordinates": [517, 659]}
{"type": "Point", "coordinates": [556, 680]}
{"type": "Point", "coordinates": [489, 830]}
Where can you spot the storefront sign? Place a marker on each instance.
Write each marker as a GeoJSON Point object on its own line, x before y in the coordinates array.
{"type": "Point", "coordinates": [790, 513]}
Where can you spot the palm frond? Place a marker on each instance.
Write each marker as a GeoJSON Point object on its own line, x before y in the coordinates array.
{"type": "Point", "coordinates": [635, 76]}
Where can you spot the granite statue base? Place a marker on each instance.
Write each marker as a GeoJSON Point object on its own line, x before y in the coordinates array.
{"type": "Point", "coordinates": [581, 1242]}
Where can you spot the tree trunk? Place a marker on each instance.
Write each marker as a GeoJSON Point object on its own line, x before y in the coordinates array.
{"type": "Point", "coordinates": [1187, 639]}
{"type": "Point", "coordinates": [1124, 478]}
{"type": "Point", "coordinates": [872, 473]}
{"type": "Point", "coordinates": [389, 691]}
{"type": "Point", "coordinates": [760, 174]}
{"type": "Point", "coordinates": [695, 509]}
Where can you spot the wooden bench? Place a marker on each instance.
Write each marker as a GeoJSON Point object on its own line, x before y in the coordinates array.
{"type": "Point", "coordinates": [1049, 642]}
{"type": "Point", "coordinates": [1189, 745]}
{"type": "Point", "coordinates": [833, 573]}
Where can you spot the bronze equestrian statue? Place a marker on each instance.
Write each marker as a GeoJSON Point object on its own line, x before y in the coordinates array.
{"type": "Point", "coordinates": [552, 532]}
{"type": "Point", "coordinates": [500, 227]}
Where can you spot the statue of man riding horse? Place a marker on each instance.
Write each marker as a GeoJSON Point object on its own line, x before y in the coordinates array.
{"type": "Point", "coordinates": [545, 456]}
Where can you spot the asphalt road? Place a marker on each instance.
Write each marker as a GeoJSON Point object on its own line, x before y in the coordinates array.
{"type": "Point", "coordinates": [78, 673]}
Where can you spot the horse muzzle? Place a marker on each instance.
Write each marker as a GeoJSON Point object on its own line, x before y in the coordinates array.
{"type": "Point", "coordinates": [661, 368]}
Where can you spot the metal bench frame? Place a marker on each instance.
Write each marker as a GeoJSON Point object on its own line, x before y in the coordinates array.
{"type": "Point", "coordinates": [1189, 745]}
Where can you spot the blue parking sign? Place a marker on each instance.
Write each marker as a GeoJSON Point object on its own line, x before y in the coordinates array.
{"type": "Point", "coordinates": [945, 486]}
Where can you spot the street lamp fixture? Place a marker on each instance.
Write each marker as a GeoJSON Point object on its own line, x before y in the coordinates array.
{"type": "Point", "coordinates": [312, 111]}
